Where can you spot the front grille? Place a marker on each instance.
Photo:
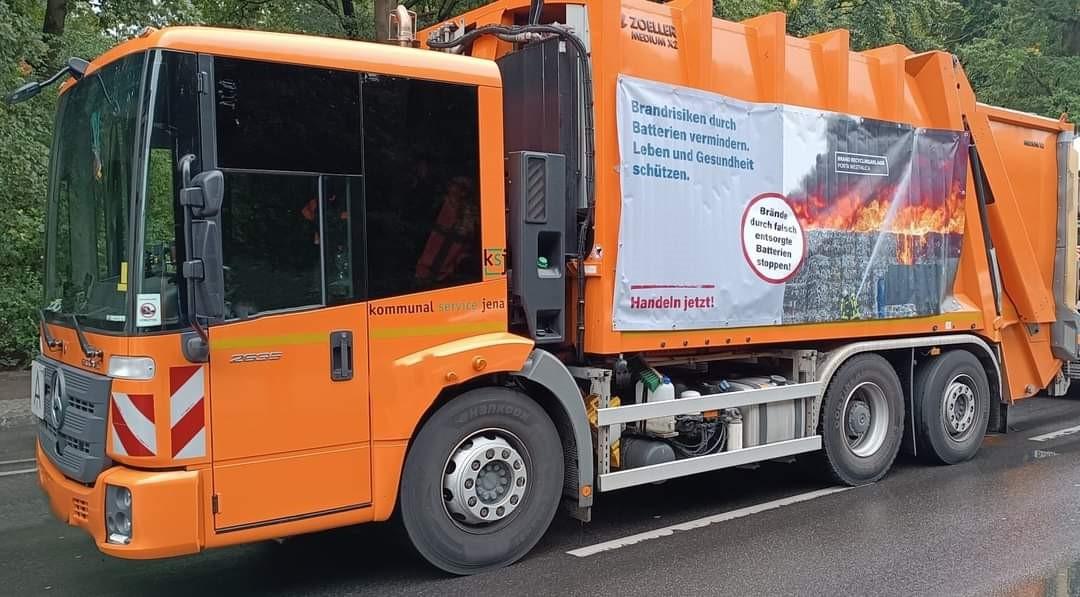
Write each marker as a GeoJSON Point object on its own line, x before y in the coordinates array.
{"type": "Point", "coordinates": [80, 510]}
{"type": "Point", "coordinates": [74, 425]}
{"type": "Point", "coordinates": [83, 405]}
{"type": "Point", "coordinates": [77, 444]}
{"type": "Point", "coordinates": [77, 447]}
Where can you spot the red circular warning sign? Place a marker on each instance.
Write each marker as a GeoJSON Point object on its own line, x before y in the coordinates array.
{"type": "Point", "coordinates": [773, 240]}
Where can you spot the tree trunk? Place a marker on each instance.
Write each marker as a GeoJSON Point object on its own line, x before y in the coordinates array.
{"type": "Point", "coordinates": [1071, 37]}
{"type": "Point", "coordinates": [348, 19]}
{"type": "Point", "coordinates": [383, 8]}
{"type": "Point", "coordinates": [55, 17]}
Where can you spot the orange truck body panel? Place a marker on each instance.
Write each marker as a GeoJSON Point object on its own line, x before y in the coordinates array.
{"type": "Point", "coordinates": [755, 61]}
{"type": "Point", "coordinates": [283, 443]}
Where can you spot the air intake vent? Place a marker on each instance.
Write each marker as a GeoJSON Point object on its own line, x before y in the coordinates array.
{"type": "Point", "coordinates": [77, 444]}
{"type": "Point", "coordinates": [80, 510]}
{"type": "Point", "coordinates": [535, 190]}
{"type": "Point", "coordinates": [84, 405]}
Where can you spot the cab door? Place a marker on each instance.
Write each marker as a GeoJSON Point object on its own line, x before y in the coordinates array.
{"type": "Point", "coordinates": [290, 423]}
{"type": "Point", "coordinates": [288, 373]}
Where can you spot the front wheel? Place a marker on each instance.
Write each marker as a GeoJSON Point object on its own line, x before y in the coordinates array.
{"type": "Point", "coordinates": [482, 481]}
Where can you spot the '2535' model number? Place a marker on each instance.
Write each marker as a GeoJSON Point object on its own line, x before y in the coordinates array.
{"type": "Point", "coordinates": [254, 357]}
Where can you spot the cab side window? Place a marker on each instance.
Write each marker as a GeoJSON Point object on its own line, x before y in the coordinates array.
{"type": "Point", "coordinates": [289, 142]}
{"type": "Point", "coordinates": [282, 117]}
{"type": "Point", "coordinates": [421, 153]}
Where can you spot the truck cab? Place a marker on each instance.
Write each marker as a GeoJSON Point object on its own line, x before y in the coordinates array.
{"type": "Point", "coordinates": [340, 195]}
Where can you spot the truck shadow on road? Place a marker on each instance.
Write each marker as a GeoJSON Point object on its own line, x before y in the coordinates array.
{"type": "Point", "coordinates": [379, 558]}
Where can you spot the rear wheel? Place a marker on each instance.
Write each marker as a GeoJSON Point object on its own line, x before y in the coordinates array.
{"type": "Point", "coordinates": [952, 406]}
{"type": "Point", "coordinates": [482, 481]}
{"type": "Point", "coordinates": [862, 420]}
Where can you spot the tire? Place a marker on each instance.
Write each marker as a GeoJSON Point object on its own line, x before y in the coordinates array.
{"type": "Point", "coordinates": [441, 523]}
{"type": "Point", "coordinates": [864, 394]}
{"type": "Point", "coordinates": [949, 438]}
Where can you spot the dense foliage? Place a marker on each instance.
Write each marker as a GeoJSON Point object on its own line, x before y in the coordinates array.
{"type": "Point", "coordinates": [1024, 54]}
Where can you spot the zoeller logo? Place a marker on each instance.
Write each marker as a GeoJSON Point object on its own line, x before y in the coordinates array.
{"type": "Point", "coordinates": [651, 32]}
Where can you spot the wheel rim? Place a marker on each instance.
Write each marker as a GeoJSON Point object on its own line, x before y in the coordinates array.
{"type": "Point", "coordinates": [485, 480]}
{"type": "Point", "coordinates": [958, 407]}
{"type": "Point", "coordinates": [865, 419]}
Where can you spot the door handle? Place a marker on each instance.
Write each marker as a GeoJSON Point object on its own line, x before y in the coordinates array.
{"type": "Point", "coordinates": [341, 355]}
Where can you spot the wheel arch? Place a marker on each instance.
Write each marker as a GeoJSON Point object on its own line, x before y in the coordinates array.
{"type": "Point", "coordinates": [890, 349]}
{"type": "Point", "coordinates": [547, 381]}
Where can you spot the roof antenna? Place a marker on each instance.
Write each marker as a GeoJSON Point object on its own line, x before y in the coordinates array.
{"type": "Point", "coordinates": [535, 8]}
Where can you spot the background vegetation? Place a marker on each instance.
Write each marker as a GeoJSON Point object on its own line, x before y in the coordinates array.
{"type": "Point", "coordinates": [1023, 54]}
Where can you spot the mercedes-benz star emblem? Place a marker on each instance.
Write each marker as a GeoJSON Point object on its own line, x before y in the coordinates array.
{"type": "Point", "coordinates": [56, 400]}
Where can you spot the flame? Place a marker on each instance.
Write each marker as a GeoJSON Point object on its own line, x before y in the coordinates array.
{"type": "Point", "coordinates": [912, 220]}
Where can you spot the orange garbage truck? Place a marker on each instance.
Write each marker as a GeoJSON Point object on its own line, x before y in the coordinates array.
{"type": "Point", "coordinates": [536, 252]}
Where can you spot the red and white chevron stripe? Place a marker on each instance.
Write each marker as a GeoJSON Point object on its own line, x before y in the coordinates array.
{"type": "Point", "coordinates": [133, 432]}
{"type": "Point", "coordinates": [187, 422]}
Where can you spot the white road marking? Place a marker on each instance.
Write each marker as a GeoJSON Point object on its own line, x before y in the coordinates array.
{"type": "Point", "coordinates": [22, 472]}
{"type": "Point", "coordinates": [582, 552]}
{"type": "Point", "coordinates": [1055, 434]}
{"type": "Point", "coordinates": [21, 461]}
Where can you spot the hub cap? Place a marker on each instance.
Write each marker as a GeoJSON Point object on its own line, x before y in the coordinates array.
{"type": "Point", "coordinates": [485, 478]}
{"type": "Point", "coordinates": [958, 407]}
{"type": "Point", "coordinates": [866, 419]}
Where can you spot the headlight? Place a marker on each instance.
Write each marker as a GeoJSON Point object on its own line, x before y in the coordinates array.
{"type": "Point", "coordinates": [131, 367]}
{"type": "Point", "coordinates": [118, 514]}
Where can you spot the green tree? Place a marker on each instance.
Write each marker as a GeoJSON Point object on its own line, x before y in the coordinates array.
{"type": "Point", "coordinates": [918, 24]}
{"type": "Point", "coordinates": [24, 147]}
{"type": "Point", "coordinates": [1024, 54]}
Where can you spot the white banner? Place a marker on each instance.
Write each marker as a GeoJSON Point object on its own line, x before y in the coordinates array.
{"type": "Point", "coordinates": [743, 214]}
{"type": "Point", "coordinates": [691, 161]}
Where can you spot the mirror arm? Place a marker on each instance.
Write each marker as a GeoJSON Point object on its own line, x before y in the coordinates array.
{"type": "Point", "coordinates": [192, 272]}
{"type": "Point", "coordinates": [185, 169]}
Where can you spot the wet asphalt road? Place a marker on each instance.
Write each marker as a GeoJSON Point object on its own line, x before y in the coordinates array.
{"type": "Point", "coordinates": [1006, 523]}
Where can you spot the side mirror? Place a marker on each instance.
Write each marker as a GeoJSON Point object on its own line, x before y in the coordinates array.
{"type": "Point", "coordinates": [204, 269]}
{"type": "Point", "coordinates": [23, 93]}
{"type": "Point", "coordinates": [204, 194]}
{"type": "Point", "coordinates": [201, 196]}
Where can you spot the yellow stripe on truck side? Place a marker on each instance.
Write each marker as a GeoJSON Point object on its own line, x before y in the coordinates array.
{"type": "Point", "coordinates": [272, 341]}
{"type": "Point", "coordinates": [378, 333]}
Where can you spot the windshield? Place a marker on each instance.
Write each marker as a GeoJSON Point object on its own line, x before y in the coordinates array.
{"type": "Point", "coordinates": [90, 195]}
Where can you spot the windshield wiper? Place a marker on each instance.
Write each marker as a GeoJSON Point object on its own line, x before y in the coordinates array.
{"type": "Point", "coordinates": [50, 342]}
{"type": "Point", "coordinates": [87, 349]}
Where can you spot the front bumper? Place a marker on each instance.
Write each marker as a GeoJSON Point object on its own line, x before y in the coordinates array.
{"type": "Point", "coordinates": [166, 517]}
